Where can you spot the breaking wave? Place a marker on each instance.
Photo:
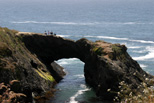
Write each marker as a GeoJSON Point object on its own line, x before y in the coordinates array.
{"type": "Point", "coordinates": [57, 23]}
{"type": "Point", "coordinates": [72, 99]}
{"type": "Point", "coordinates": [148, 56]}
{"type": "Point", "coordinates": [143, 66]}
{"type": "Point", "coordinates": [113, 38]}
{"type": "Point", "coordinates": [80, 75]}
{"type": "Point", "coordinates": [80, 23]}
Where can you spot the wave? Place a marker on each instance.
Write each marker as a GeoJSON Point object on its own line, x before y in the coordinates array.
{"type": "Point", "coordinates": [107, 37]}
{"type": "Point", "coordinates": [116, 38]}
{"type": "Point", "coordinates": [81, 23]}
{"type": "Point", "coordinates": [127, 23]}
{"type": "Point", "coordinates": [134, 47]}
{"type": "Point", "coordinates": [112, 38]}
{"type": "Point", "coordinates": [62, 62]}
{"type": "Point", "coordinates": [148, 56]}
{"type": "Point", "coordinates": [136, 51]}
{"type": "Point", "coordinates": [143, 66]}
{"type": "Point", "coordinates": [72, 99]}
{"type": "Point", "coordinates": [57, 23]}
{"type": "Point", "coordinates": [79, 76]}
{"type": "Point", "coordinates": [134, 23]}
{"type": "Point", "coordinates": [143, 41]}
{"type": "Point", "coordinates": [69, 61]}
{"type": "Point", "coordinates": [64, 35]}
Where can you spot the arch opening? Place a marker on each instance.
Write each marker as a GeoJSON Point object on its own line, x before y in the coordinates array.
{"type": "Point", "coordinates": [73, 88]}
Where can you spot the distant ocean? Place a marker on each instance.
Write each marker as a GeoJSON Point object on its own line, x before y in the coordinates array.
{"type": "Point", "coordinates": [129, 22]}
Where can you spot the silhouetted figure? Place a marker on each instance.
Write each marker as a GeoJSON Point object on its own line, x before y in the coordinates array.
{"type": "Point", "coordinates": [45, 33]}
{"type": "Point", "coordinates": [51, 33]}
{"type": "Point", "coordinates": [55, 34]}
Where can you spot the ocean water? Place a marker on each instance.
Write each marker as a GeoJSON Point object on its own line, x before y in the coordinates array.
{"type": "Point", "coordinates": [129, 22]}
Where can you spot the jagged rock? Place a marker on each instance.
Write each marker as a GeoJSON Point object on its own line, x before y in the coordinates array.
{"type": "Point", "coordinates": [106, 64]}
{"type": "Point", "coordinates": [17, 63]}
{"type": "Point", "coordinates": [29, 58]}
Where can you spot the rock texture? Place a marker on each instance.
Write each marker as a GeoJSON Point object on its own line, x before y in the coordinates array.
{"type": "Point", "coordinates": [29, 58]}
{"type": "Point", "coordinates": [106, 64]}
{"type": "Point", "coordinates": [17, 63]}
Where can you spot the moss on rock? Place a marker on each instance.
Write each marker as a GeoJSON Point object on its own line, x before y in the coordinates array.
{"type": "Point", "coordinates": [46, 75]}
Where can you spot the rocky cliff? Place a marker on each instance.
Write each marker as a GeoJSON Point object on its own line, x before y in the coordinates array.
{"type": "Point", "coordinates": [106, 64]}
{"type": "Point", "coordinates": [29, 57]}
{"type": "Point", "coordinates": [18, 63]}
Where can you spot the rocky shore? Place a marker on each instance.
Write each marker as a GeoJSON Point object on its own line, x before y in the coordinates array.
{"type": "Point", "coordinates": [29, 58]}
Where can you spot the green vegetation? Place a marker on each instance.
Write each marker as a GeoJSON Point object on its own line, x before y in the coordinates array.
{"type": "Point", "coordinates": [10, 44]}
{"type": "Point", "coordinates": [142, 94]}
{"type": "Point", "coordinates": [117, 48]}
{"type": "Point", "coordinates": [118, 51]}
{"type": "Point", "coordinates": [46, 75]}
{"type": "Point", "coordinates": [9, 40]}
{"type": "Point", "coordinates": [4, 50]}
{"type": "Point", "coordinates": [98, 50]}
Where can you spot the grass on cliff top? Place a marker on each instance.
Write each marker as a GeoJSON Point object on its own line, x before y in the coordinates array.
{"type": "Point", "coordinates": [10, 44]}
{"type": "Point", "coordinates": [98, 50]}
{"type": "Point", "coordinates": [116, 48]}
{"type": "Point", "coordinates": [9, 40]}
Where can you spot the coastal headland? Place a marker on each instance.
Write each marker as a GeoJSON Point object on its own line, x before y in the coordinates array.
{"type": "Point", "coordinates": [29, 58]}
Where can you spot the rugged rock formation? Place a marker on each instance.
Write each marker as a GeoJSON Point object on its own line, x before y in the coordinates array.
{"type": "Point", "coordinates": [17, 63]}
{"type": "Point", "coordinates": [29, 58]}
{"type": "Point", "coordinates": [106, 64]}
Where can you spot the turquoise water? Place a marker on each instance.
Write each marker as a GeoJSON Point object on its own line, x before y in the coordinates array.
{"type": "Point", "coordinates": [116, 21]}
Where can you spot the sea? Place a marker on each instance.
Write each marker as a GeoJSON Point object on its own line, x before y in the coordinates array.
{"type": "Point", "coordinates": [128, 22]}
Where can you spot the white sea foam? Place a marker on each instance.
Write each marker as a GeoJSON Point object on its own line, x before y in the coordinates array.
{"type": "Point", "coordinates": [139, 51]}
{"type": "Point", "coordinates": [114, 38]}
{"type": "Point", "coordinates": [69, 61]}
{"type": "Point", "coordinates": [134, 47]}
{"type": "Point", "coordinates": [64, 35]}
{"type": "Point", "coordinates": [148, 56]}
{"type": "Point", "coordinates": [142, 41]}
{"type": "Point", "coordinates": [125, 39]}
{"type": "Point", "coordinates": [89, 23]}
{"type": "Point", "coordinates": [126, 23]}
{"type": "Point", "coordinates": [107, 37]}
{"type": "Point", "coordinates": [57, 23]}
{"type": "Point", "coordinates": [72, 99]}
{"type": "Point", "coordinates": [143, 66]}
{"type": "Point", "coordinates": [80, 76]}
{"type": "Point", "coordinates": [82, 23]}
{"type": "Point", "coordinates": [62, 62]}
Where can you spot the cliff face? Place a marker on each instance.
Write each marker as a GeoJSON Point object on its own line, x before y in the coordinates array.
{"type": "Point", "coordinates": [106, 64]}
{"type": "Point", "coordinates": [17, 63]}
{"type": "Point", "coordinates": [29, 58]}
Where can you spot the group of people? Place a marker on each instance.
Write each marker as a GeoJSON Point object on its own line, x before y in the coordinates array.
{"type": "Point", "coordinates": [49, 33]}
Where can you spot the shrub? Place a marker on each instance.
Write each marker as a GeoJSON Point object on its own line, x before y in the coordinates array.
{"type": "Point", "coordinates": [9, 96]}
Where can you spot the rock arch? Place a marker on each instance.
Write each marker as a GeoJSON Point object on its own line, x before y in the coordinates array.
{"type": "Point", "coordinates": [105, 64]}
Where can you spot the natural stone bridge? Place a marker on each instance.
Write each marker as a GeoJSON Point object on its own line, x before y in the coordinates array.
{"type": "Point", "coordinates": [106, 64]}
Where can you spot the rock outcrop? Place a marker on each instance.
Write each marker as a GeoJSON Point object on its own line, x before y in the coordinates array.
{"type": "Point", "coordinates": [29, 58]}
{"type": "Point", "coordinates": [106, 64]}
{"type": "Point", "coordinates": [17, 63]}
